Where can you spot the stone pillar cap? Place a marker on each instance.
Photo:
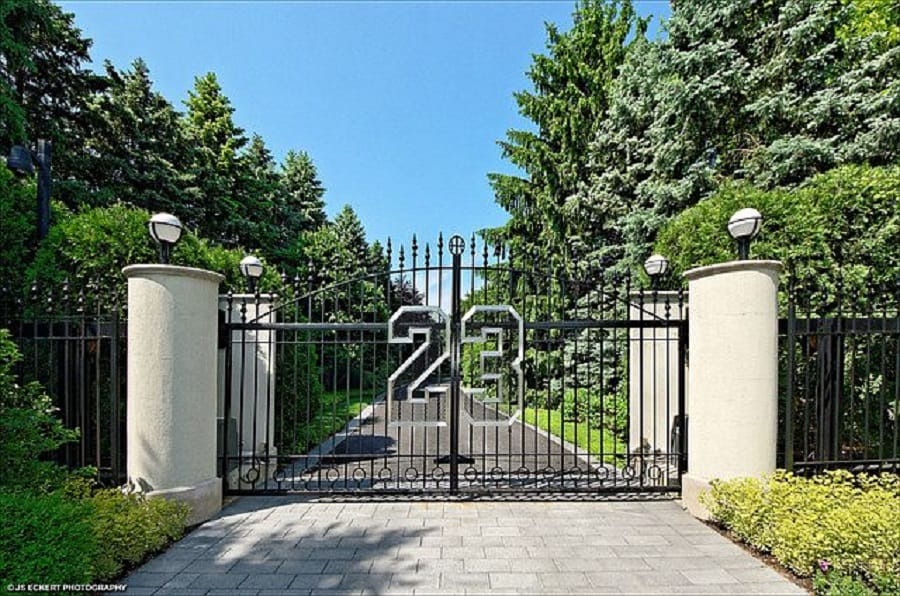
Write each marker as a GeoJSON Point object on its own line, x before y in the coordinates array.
{"type": "Point", "coordinates": [172, 270]}
{"type": "Point", "coordinates": [732, 266]}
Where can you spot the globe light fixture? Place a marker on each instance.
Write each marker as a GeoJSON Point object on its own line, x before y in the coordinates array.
{"type": "Point", "coordinates": [165, 229]}
{"type": "Point", "coordinates": [743, 226]}
{"type": "Point", "coordinates": [655, 267]}
{"type": "Point", "coordinates": [252, 269]}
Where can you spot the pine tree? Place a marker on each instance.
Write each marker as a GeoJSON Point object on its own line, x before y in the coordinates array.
{"type": "Point", "coordinates": [299, 210]}
{"type": "Point", "coordinates": [260, 184]}
{"type": "Point", "coordinates": [137, 147]}
{"type": "Point", "coordinates": [216, 207]}
{"type": "Point", "coordinates": [45, 85]}
{"type": "Point", "coordinates": [303, 206]}
{"type": "Point", "coordinates": [569, 101]}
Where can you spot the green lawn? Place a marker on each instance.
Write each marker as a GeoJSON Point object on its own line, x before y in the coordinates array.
{"type": "Point", "coordinates": [593, 440]}
{"type": "Point", "coordinates": [335, 410]}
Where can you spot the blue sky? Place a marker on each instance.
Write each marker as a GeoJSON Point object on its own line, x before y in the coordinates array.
{"type": "Point", "coordinates": [399, 104]}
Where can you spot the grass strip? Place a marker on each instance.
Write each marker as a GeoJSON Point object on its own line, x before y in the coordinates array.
{"type": "Point", "coordinates": [600, 443]}
{"type": "Point", "coordinates": [336, 408]}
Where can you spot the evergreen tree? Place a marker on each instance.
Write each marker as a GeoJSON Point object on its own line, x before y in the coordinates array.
{"type": "Point", "coordinates": [215, 207]}
{"type": "Point", "coordinates": [350, 230]}
{"type": "Point", "coordinates": [44, 85]}
{"type": "Point", "coordinates": [770, 92]}
{"type": "Point", "coordinates": [299, 207]}
{"type": "Point", "coordinates": [260, 189]}
{"type": "Point", "coordinates": [303, 205]}
{"type": "Point", "coordinates": [137, 148]}
{"type": "Point", "coordinates": [569, 101]}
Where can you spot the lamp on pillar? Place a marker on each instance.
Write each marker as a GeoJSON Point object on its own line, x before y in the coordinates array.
{"type": "Point", "coordinates": [22, 160]}
{"type": "Point", "coordinates": [165, 229]}
{"type": "Point", "coordinates": [743, 227]}
{"type": "Point", "coordinates": [252, 269]}
{"type": "Point", "coordinates": [655, 267]}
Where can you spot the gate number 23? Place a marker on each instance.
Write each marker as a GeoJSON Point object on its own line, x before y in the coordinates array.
{"type": "Point", "coordinates": [440, 321]}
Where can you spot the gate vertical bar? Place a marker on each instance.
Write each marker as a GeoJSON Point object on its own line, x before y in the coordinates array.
{"type": "Point", "coordinates": [457, 245]}
{"type": "Point", "coordinates": [683, 331]}
{"type": "Point", "coordinates": [227, 340]}
{"type": "Point", "coordinates": [114, 420]}
{"type": "Point", "coordinates": [789, 382]}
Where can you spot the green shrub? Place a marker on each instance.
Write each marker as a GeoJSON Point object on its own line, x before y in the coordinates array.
{"type": "Point", "coordinates": [76, 535]}
{"type": "Point", "coordinates": [844, 221]}
{"type": "Point", "coordinates": [129, 527]}
{"type": "Point", "coordinates": [92, 247]}
{"type": "Point", "coordinates": [828, 583]}
{"type": "Point", "coordinates": [849, 523]}
{"type": "Point", "coordinates": [835, 584]}
{"type": "Point", "coordinates": [17, 226]}
{"type": "Point", "coordinates": [298, 395]}
{"type": "Point", "coordinates": [583, 407]}
{"type": "Point", "coordinates": [28, 428]}
{"type": "Point", "coordinates": [46, 538]}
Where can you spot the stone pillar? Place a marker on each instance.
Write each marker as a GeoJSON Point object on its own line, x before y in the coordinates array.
{"type": "Point", "coordinates": [172, 332]}
{"type": "Point", "coordinates": [653, 373]}
{"type": "Point", "coordinates": [733, 347]}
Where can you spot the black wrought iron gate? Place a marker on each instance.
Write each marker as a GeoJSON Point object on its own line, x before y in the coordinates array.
{"type": "Point", "coordinates": [514, 381]}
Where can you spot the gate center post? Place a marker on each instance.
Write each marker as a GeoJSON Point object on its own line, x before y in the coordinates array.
{"type": "Point", "coordinates": [454, 364]}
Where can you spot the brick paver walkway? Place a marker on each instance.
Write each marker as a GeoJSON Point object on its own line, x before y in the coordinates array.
{"type": "Point", "coordinates": [268, 545]}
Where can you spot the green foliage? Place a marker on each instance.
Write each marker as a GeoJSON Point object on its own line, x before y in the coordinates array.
{"type": "Point", "coordinates": [17, 228]}
{"type": "Point", "coordinates": [583, 436]}
{"type": "Point", "coordinates": [300, 207]}
{"type": "Point", "coordinates": [847, 524]}
{"type": "Point", "coordinates": [53, 529]}
{"type": "Point", "coordinates": [91, 248]}
{"type": "Point", "coordinates": [570, 98]}
{"type": "Point", "coordinates": [45, 83]}
{"type": "Point", "coordinates": [136, 150]}
{"type": "Point", "coordinates": [878, 20]}
{"type": "Point", "coordinates": [46, 538]}
{"type": "Point", "coordinates": [298, 395]}
{"type": "Point", "coordinates": [220, 207]}
{"type": "Point", "coordinates": [28, 427]}
{"type": "Point", "coordinates": [843, 223]}
{"type": "Point", "coordinates": [129, 527]}
{"type": "Point", "coordinates": [837, 584]}
{"type": "Point", "coordinates": [74, 536]}
{"type": "Point", "coordinates": [117, 140]}
{"type": "Point", "coordinates": [330, 415]}
{"type": "Point", "coordinates": [767, 92]}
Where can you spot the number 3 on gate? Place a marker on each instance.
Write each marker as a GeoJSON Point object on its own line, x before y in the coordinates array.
{"type": "Point", "coordinates": [495, 377]}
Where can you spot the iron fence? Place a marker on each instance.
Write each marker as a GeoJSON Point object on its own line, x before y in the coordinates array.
{"type": "Point", "coordinates": [73, 344]}
{"type": "Point", "coordinates": [840, 381]}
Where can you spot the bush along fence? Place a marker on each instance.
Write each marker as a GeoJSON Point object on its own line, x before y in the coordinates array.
{"type": "Point", "coordinates": [73, 343]}
{"type": "Point", "coordinates": [840, 378]}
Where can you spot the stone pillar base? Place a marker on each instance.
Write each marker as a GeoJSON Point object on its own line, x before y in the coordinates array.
{"type": "Point", "coordinates": [691, 489]}
{"type": "Point", "coordinates": [204, 499]}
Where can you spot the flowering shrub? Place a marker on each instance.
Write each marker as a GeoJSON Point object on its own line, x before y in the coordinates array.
{"type": "Point", "coordinates": [835, 523]}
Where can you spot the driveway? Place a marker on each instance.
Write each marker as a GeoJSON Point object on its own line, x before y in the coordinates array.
{"type": "Point", "coordinates": [301, 545]}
